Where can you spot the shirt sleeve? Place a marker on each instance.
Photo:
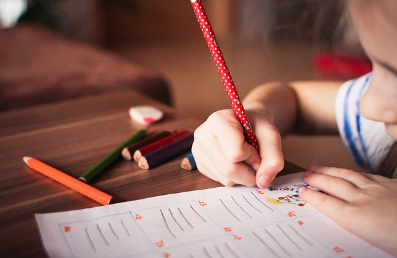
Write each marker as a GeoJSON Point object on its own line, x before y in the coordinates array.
{"type": "Point", "coordinates": [366, 140]}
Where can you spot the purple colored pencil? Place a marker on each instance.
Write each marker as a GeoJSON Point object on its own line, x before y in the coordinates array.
{"type": "Point", "coordinates": [170, 151]}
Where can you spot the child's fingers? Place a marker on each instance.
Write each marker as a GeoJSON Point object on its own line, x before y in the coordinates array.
{"type": "Point", "coordinates": [210, 156]}
{"type": "Point", "coordinates": [335, 186]}
{"type": "Point", "coordinates": [355, 178]}
{"type": "Point", "coordinates": [252, 159]}
{"type": "Point", "coordinates": [329, 205]}
{"type": "Point", "coordinates": [272, 160]}
{"type": "Point", "coordinates": [222, 138]}
{"type": "Point", "coordinates": [233, 146]}
{"type": "Point", "coordinates": [202, 166]}
{"type": "Point", "coordinates": [237, 172]}
{"type": "Point", "coordinates": [230, 136]}
{"type": "Point", "coordinates": [206, 167]}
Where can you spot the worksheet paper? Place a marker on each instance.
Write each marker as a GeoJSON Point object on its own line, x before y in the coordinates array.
{"type": "Point", "coordinates": [223, 222]}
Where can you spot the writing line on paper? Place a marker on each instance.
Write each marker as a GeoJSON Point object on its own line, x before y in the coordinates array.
{"type": "Point", "coordinates": [271, 222]}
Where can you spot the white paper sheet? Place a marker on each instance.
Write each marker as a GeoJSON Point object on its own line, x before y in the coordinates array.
{"type": "Point", "coordinates": [220, 222]}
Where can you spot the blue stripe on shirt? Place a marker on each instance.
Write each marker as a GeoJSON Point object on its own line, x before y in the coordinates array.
{"type": "Point", "coordinates": [348, 130]}
{"type": "Point", "coordinates": [358, 119]}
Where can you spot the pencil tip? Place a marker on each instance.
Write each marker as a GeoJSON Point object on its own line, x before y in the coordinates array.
{"type": "Point", "coordinates": [143, 163]}
{"type": "Point", "coordinates": [137, 155]}
{"type": "Point", "coordinates": [185, 164]}
{"type": "Point", "coordinates": [126, 154]}
{"type": "Point", "coordinates": [25, 159]}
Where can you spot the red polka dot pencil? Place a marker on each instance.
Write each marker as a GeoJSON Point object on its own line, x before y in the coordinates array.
{"type": "Point", "coordinates": [223, 71]}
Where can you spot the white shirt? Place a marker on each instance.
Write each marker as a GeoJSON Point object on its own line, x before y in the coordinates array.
{"type": "Point", "coordinates": [366, 140]}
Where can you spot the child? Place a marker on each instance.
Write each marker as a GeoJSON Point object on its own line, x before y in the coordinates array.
{"type": "Point", "coordinates": [364, 111]}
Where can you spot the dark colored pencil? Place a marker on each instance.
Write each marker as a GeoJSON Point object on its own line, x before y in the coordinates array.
{"type": "Point", "coordinates": [188, 163]}
{"type": "Point", "coordinates": [159, 144]}
{"type": "Point", "coordinates": [128, 152]}
{"type": "Point", "coordinates": [158, 157]}
{"type": "Point", "coordinates": [111, 157]}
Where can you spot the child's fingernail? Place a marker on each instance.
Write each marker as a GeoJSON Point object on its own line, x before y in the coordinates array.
{"type": "Point", "coordinates": [264, 181]}
{"type": "Point", "coordinates": [307, 173]}
{"type": "Point", "coordinates": [302, 189]}
{"type": "Point", "coordinates": [314, 168]}
{"type": "Point", "coordinates": [255, 166]}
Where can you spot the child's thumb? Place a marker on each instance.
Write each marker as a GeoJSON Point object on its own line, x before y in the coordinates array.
{"type": "Point", "coordinates": [272, 163]}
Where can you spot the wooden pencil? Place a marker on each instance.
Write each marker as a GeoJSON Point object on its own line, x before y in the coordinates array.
{"type": "Point", "coordinates": [128, 152]}
{"type": "Point", "coordinates": [159, 156]}
{"type": "Point", "coordinates": [111, 157]}
{"type": "Point", "coordinates": [223, 71]}
{"type": "Point", "coordinates": [188, 163]}
{"type": "Point", "coordinates": [159, 144]}
{"type": "Point", "coordinates": [71, 182]}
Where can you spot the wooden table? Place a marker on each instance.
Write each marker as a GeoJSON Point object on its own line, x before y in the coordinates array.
{"type": "Point", "coordinates": [72, 136]}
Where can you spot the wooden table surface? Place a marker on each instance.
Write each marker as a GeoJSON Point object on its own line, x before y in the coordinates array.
{"type": "Point", "coordinates": [72, 136]}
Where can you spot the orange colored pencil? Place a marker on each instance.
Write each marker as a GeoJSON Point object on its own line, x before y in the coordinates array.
{"type": "Point", "coordinates": [71, 182]}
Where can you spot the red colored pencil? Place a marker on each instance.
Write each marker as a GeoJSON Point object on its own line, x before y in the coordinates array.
{"type": "Point", "coordinates": [159, 144]}
{"type": "Point", "coordinates": [170, 151]}
{"type": "Point", "coordinates": [223, 71]}
{"type": "Point", "coordinates": [128, 152]}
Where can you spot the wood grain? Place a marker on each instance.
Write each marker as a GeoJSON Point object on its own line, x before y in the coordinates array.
{"type": "Point", "coordinates": [72, 136]}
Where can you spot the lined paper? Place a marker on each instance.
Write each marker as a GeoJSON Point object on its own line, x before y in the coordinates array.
{"type": "Point", "coordinates": [220, 222]}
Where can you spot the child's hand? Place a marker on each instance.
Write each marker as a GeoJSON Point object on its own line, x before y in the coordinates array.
{"type": "Point", "coordinates": [222, 154]}
{"type": "Point", "coordinates": [364, 204]}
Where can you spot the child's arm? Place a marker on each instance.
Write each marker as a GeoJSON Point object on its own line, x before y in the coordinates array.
{"type": "Point", "coordinates": [298, 107]}
{"type": "Point", "coordinates": [219, 147]}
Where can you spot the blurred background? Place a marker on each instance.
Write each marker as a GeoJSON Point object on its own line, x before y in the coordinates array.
{"type": "Point", "coordinates": [261, 40]}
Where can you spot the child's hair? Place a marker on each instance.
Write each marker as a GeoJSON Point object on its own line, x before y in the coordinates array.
{"type": "Point", "coordinates": [322, 22]}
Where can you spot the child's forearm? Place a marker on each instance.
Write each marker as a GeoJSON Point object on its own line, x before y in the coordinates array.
{"type": "Point", "coordinates": [278, 100]}
{"type": "Point", "coordinates": [298, 107]}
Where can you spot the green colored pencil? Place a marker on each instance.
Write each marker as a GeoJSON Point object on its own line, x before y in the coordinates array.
{"type": "Point", "coordinates": [111, 157]}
